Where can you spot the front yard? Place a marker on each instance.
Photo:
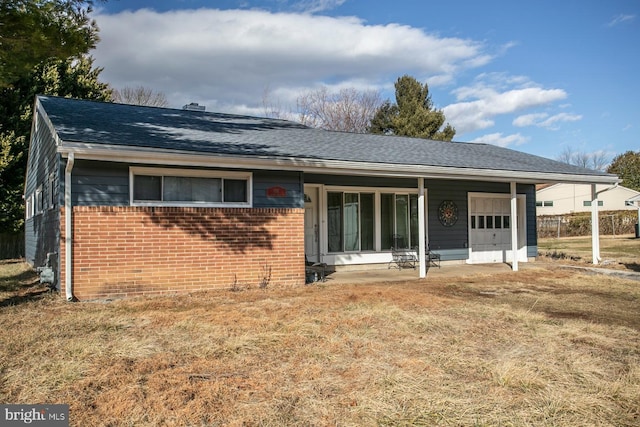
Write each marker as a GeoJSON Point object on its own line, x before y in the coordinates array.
{"type": "Point", "coordinates": [543, 346]}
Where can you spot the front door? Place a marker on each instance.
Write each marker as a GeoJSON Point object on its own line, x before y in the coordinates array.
{"type": "Point", "coordinates": [311, 224]}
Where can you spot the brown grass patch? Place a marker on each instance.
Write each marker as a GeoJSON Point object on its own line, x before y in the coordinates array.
{"type": "Point", "coordinates": [616, 252]}
{"type": "Point", "coordinates": [536, 347]}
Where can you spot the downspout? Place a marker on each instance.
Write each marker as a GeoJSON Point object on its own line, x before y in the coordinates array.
{"type": "Point", "coordinates": [68, 234]}
{"type": "Point", "coordinates": [595, 224]}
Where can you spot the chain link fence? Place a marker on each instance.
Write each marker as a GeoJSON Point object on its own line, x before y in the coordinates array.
{"type": "Point", "coordinates": [612, 223]}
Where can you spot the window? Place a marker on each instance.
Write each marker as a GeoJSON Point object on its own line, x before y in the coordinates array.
{"type": "Point", "coordinates": [548, 203]}
{"type": "Point", "coordinates": [39, 207]}
{"type": "Point", "coordinates": [489, 222]}
{"type": "Point", "coordinates": [28, 209]}
{"type": "Point", "coordinates": [399, 219]}
{"type": "Point", "coordinates": [178, 187]}
{"type": "Point", "coordinates": [351, 221]}
{"type": "Point", "coordinates": [51, 199]}
{"type": "Point", "coordinates": [587, 203]}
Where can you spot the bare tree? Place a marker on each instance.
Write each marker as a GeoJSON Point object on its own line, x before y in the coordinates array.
{"type": "Point", "coordinates": [272, 110]}
{"type": "Point", "coordinates": [140, 95]}
{"type": "Point", "coordinates": [598, 160]}
{"type": "Point", "coordinates": [566, 156]}
{"type": "Point", "coordinates": [349, 110]}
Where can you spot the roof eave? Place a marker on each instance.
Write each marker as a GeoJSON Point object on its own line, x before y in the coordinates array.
{"type": "Point", "coordinates": [326, 166]}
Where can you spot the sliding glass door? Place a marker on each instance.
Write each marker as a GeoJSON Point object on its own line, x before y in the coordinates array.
{"type": "Point", "coordinates": [351, 221]}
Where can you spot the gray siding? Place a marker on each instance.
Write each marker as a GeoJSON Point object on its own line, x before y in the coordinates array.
{"type": "Point", "coordinates": [532, 229]}
{"type": "Point", "coordinates": [107, 184]}
{"type": "Point", "coordinates": [42, 231]}
{"type": "Point", "coordinates": [291, 181]}
{"type": "Point", "coordinates": [360, 181]}
{"type": "Point", "coordinates": [453, 241]}
{"type": "Point", "coordinates": [100, 184]}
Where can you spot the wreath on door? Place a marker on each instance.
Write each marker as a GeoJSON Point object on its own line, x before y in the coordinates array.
{"type": "Point", "coordinates": [448, 213]}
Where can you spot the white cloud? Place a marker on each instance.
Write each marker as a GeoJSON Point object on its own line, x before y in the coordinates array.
{"type": "Point", "coordinates": [619, 19]}
{"type": "Point", "coordinates": [543, 120]}
{"type": "Point", "coordinates": [501, 140]}
{"type": "Point", "coordinates": [314, 6]}
{"type": "Point", "coordinates": [488, 100]}
{"type": "Point", "coordinates": [529, 119]}
{"type": "Point", "coordinates": [226, 58]}
{"type": "Point", "coordinates": [562, 117]}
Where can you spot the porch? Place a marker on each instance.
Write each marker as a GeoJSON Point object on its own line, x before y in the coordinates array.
{"type": "Point", "coordinates": [344, 276]}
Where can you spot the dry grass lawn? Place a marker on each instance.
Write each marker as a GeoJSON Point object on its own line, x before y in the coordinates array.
{"type": "Point", "coordinates": [618, 252]}
{"type": "Point", "coordinates": [540, 347]}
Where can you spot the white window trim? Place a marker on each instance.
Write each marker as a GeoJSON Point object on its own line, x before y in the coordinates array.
{"type": "Point", "coordinates": [192, 173]}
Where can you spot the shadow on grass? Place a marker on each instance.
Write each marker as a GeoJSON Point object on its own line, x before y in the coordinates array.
{"type": "Point", "coordinates": [34, 294]}
{"type": "Point", "coordinates": [20, 287]}
{"type": "Point", "coordinates": [633, 266]}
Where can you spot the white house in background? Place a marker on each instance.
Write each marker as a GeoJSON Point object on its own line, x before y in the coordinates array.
{"type": "Point", "coordinates": [562, 199]}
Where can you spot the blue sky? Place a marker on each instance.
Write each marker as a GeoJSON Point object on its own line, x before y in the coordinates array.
{"type": "Point", "coordinates": [536, 76]}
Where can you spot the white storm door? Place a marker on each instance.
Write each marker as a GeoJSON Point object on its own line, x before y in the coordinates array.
{"type": "Point", "coordinates": [490, 229]}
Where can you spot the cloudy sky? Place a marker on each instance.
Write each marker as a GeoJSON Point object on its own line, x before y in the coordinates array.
{"type": "Point", "coordinates": [537, 76]}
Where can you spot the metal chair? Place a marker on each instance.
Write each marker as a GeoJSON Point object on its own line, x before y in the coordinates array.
{"type": "Point", "coordinates": [433, 258]}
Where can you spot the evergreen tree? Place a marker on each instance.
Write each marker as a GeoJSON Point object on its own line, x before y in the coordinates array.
{"type": "Point", "coordinates": [627, 167]}
{"type": "Point", "coordinates": [33, 31]}
{"type": "Point", "coordinates": [413, 114]}
{"type": "Point", "coordinates": [45, 44]}
{"type": "Point", "coordinates": [73, 77]}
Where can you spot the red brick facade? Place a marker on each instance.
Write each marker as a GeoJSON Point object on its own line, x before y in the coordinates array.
{"type": "Point", "coordinates": [128, 251]}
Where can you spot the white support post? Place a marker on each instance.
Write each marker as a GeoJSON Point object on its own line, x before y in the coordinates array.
{"type": "Point", "coordinates": [514, 227]}
{"type": "Point", "coordinates": [422, 253]}
{"type": "Point", "coordinates": [595, 226]}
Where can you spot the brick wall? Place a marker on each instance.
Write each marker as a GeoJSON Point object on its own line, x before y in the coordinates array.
{"type": "Point", "coordinates": [127, 251]}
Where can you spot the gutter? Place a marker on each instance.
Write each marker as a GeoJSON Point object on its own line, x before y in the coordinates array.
{"type": "Point", "coordinates": [68, 234]}
{"type": "Point", "coordinates": [89, 151]}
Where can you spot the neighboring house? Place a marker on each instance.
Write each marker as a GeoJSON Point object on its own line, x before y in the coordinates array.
{"type": "Point", "coordinates": [565, 198]}
{"type": "Point", "coordinates": [130, 200]}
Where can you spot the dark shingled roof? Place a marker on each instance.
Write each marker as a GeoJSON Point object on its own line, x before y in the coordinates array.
{"type": "Point", "coordinates": [236, 135]}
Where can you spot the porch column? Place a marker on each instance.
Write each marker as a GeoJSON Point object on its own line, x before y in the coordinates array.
{"type": "Point", "coordinates": [595, 226]}
{"type": "Point", "coordinates": [514, 227]}
{"type": "Point", "coordinates": [421, 230]}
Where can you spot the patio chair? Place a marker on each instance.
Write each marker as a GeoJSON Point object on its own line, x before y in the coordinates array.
{"type": "Point", "coordinates": [433, 258]}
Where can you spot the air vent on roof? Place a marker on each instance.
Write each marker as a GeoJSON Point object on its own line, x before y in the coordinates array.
{"type": "Point", "coordinates": [193, 106]}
